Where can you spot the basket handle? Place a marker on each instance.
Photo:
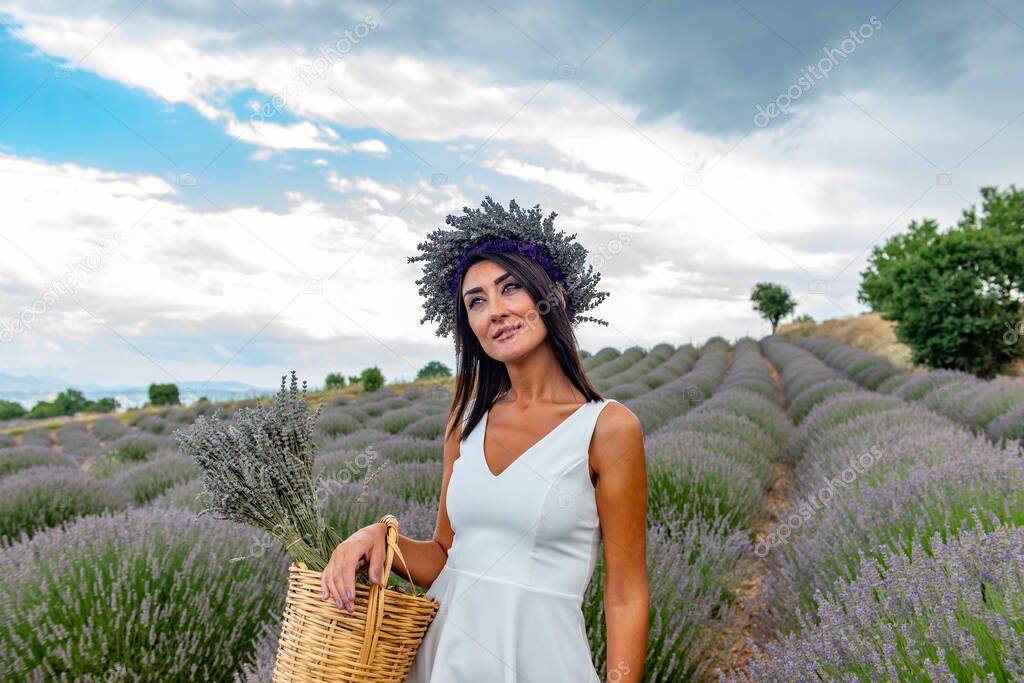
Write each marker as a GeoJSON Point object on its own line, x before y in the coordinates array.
{"type": "Point", "coordinates": [375, 605]}
{"type": "Point", "coordinates": [391, 542]}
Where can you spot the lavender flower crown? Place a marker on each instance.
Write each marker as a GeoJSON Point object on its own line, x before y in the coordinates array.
{"type": "Point", "coordinates": [448, 253]}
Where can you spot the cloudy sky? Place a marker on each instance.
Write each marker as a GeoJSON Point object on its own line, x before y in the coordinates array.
{"type": "Point", "coordinates": [229, 190]}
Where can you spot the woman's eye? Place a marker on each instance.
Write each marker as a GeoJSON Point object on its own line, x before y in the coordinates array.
{"type": "Point", "coordinates": [472, 303]}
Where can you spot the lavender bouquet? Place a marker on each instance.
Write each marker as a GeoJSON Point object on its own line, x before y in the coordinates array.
{"type": "Point", "coordinates": [259, 471]}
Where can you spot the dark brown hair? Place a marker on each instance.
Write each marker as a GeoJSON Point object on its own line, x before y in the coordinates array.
{"type": "Point", "coordinates": [480, 377]}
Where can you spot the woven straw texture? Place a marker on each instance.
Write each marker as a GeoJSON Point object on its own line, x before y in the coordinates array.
{"type": "Point", "coordinates": [375, 643]}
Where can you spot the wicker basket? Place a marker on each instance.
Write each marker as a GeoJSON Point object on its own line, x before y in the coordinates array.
{"type": "Point", "coordinates": [375, 643]}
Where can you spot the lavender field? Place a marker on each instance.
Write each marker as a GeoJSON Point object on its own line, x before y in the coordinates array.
{"type": "Point", "coordinates": [815, 514]}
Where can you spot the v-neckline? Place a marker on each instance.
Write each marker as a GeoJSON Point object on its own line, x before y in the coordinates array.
{"type": "Point", "coordinates": [483, 440]}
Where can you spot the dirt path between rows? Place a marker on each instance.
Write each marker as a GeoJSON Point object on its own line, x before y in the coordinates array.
{"type": "Point", "coordinates": [749, 618]}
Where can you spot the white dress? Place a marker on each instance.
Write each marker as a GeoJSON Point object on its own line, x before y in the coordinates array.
{"type": "Point", "coordinates": [525, 547]}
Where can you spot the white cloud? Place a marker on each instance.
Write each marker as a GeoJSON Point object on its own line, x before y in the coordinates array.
{"type": "Point", "coordinates": [338, 182]}
{"type": "Point", "coordinates": [182, 267]}
{"type": "Point", "coordinates": [796, 202]}
{"type": "Point", "coordinates": [304, 135]}
{"type": "Point", "coordinates": [397, 93]}
{"type": "Point", "coordinates": [387, 193]}
{"type": "Point", "coordinates": [374, 147]}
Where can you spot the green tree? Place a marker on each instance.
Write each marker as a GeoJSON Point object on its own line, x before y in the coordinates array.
{"type": "Point", "coordinates": [43, 409]}
{"type": "Point", "coordinates": [772, 301]}
{"type": "Point", "coordinates": [70, 401]}
{"type": "Point", "coordinates": [956, 296]}
{"type": "Point", "coordinates": [334, 381]}
{"type": "Point", "coordinates": [803, 318]}
{"type": "Point", "coordinates": [102, 405]}
{"type": "Point", "coordinates": [372, 379]}
{"type": "Point", "coordinates": [433, 369]}
{"type": "Point", "coordinates": [11, 410]}
{"type": "Point", "coordinates": [67, 402]}
{"type": "Point", "coordinates": [164, 394]}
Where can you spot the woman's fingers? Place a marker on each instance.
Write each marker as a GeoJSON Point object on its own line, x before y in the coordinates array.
{"type": "Point", "coordinates": [330, 581]}
{"type": "Point", "coordinates": [342, 586]}
{"type": "Point", "coordinates": [375, 562]}
{"type": "Point", "coordinates": [331, 584]}
{"type": "Point", "coordinates": [338, 580]}
{"type": "Point", "coordinates": [325, 592]}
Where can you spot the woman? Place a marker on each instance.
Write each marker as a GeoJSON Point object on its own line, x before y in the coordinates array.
{"type": "Point", "coordinates": [539, 470]}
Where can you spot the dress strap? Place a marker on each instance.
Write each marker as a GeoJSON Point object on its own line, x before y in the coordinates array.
{"type": "Point", "coordinates": [595, 413]}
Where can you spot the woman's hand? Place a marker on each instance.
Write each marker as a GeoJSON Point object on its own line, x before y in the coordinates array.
{"type": "Point", "coordinates": [339, 576]}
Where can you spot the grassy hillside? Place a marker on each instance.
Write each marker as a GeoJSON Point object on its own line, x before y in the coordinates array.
{"type": "Point", "coordinates": [871, 333]}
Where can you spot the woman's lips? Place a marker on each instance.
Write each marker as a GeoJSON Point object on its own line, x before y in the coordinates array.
{"type": "Point", "coordinates": [508, 333]}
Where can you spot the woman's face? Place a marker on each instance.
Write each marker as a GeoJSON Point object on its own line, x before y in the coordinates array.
{"type": "Point", "coordinates": [496, 299]}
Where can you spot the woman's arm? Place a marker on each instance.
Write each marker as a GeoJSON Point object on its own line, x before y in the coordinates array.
{"type": "Point", "coordinates": [617, 455]}
{"type": "Point", "coordinates": [426, 559]}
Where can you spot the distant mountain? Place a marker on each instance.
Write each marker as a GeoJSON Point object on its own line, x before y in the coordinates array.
{"type": "Point", "coordinates": [30, 389]}
{"type": "Point", "coordinates": [37, 382]}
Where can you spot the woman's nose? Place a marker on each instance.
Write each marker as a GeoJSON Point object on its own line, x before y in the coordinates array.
{"type": "Point", "coordinates": [499, 308]}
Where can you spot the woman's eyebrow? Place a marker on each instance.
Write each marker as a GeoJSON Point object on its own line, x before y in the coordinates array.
{"type": "Point", "coordinates": [480, 289]}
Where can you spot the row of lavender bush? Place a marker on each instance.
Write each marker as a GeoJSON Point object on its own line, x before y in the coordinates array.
{"type": "Point", "coordinates": [122, 465]}
{"type": "Point", "coordinates": [79, 474]}
{"type": "Point", "coordinates": [893, 507]}
{"type": "Point", "coordinates": [992, 407]}
{"type": "Point", "coordinates": [94, 591]}
{"type": "Point", "coordinates": [669, 400]}
{"type": "Point", "coordinates": [661, 365]}
{"type": "Point", "coordinates": [716, 459]}
{"type": "Point", "coordinates": [690, 554]}
{"type": "Point", "coordinates": [710, 469]}
{"type": "Point", "coordinates": [138, 595]}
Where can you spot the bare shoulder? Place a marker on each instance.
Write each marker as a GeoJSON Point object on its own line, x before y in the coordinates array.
{"type": "Point", "coordinates": [617, 422]}
{"type": "Point", "coordinates": [618, 437]}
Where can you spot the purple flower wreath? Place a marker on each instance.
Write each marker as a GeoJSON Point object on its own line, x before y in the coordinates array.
{"type": "Point", "coordinates": [447, 253]}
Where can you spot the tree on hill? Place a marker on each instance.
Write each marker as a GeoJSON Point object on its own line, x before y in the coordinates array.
{"type": "Point", "coordinates": [69, 402]}
{"type": "Point", "coordinates": [334, 381]}
{"type": "Point", "coordinates": [102, 405]}
{"type": "Point", "coordinates": [433, 369]}
{"type": "Point", "coordinates": [372, 379]}
{"type": "Point", "coordinates": [11, 410]}
{"type": "Point", "coordinates": [164, 394]}
{"type": "Point", "coordinates": [957, 296]}
{"type": "Point", "coordinates": [772, 301]}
